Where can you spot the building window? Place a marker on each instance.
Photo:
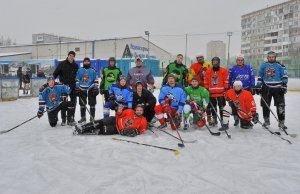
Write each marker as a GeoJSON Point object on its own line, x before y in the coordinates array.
{"type": "Point", "coordinates": [274, 41]}
{"type": "Point", "coordinates": [77, 49]}
{"type": "Point", "coordinates": [280, 10]}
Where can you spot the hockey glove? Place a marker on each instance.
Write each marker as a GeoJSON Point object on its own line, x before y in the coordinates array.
{"type": "Point", "coordinates": [237, 104]}
{"type": "Point", "coordinates": [255, 118]}
{"type": "Point", "coordinates": [95, 91]}
{"type": "Point", "coordinates": [77, 91]}
{"type": "Point", "coordinates": [252, 90]}
{"type": "Point", "coordinates": [111, 97]}
{"type": "Point", "coordinates": [102, 91]}
{"type": "Point", "coordinates": [40, 114]}
{"type": "Point", "coordinates": [257, 89]}
{"type": "Point", "coordinates": [194, 106]}
{"type": "Point", "coordinates": [130, 132]}
{"type": "Point", "coordinates": [284, 88]}
{"type": "Point", "coordinates": [166, 107]}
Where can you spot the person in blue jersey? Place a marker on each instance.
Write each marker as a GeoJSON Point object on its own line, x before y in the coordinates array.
{"type": "Point", "coordinates": [244, 73]}
{"type": "Point", "coordinates": [53, 96]}
{"type": "Point", "coordinates": [272, 83]}
{"type": "Point", "coordinates": [171, 101]}
{"type": "Point", "coordinates": [87, 88]}
{"type": "Point", "coordinates": [119, 94]}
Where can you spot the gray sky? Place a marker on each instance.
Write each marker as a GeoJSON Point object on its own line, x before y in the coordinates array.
{"type": "Point", "coordinates": [97, 19]}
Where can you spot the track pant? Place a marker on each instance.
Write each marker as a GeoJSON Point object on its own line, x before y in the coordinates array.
{"type": "Point", "coordinates": [279, 102]}
{"type": "Point", "coordinates": [149, 112]}
{"type": "Point", "coordinates": [106, 126]}
{"type": "Point", "coordinates": [69, 107]}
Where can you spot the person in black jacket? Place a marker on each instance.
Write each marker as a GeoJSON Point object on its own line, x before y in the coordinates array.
{"type": "Point", "coordinates": [67, 70]}
{"type": "Point", "coordinates": [146, 98]}
{"type": "Point", "coordinates": [20, 75]}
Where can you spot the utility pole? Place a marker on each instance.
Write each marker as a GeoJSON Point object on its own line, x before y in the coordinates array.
{"type": "Point", "coordinates": [115, 47]}
{"type": "Point", "coordinates": [148, 34]}
{"type": "Point", "coordinates": [186, 44]}
{"type": "Point", "coordinates": [229, 34]}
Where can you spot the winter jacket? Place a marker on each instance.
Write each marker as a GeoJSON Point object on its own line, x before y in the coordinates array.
{"type": "Point", "coordinates": [67, 73]}
{"type": "Point", "coordinates": [146, 97]}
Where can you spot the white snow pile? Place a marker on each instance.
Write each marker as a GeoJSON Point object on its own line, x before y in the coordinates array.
{"type": "Point", "coordinates": [35, 158]}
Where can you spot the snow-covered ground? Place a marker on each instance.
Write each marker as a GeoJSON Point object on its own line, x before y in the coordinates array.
{"type": "Point", "coordinates": [36, 158]}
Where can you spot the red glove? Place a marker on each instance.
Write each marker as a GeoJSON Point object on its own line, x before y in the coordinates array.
{"type": "Point", "coordinates": [166, 107]}
{"type": "Point", "coordinates": [167, 100]}
{"type": "Point", "coordinates": [194, 106]}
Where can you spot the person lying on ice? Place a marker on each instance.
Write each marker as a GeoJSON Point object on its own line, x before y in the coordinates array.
{"type": "Point", "coordinates": [197, 99]}
{"type": "Point", "coordinates": [54, 97]}
{"type": "Point", "coordinates": [119, 93]}
{"type": "Point", "coordinates": [127, 122]}
{"type": "Point", "coordinates": [171, 99]}
{"type": "Point", "coordinates": [243, 103]}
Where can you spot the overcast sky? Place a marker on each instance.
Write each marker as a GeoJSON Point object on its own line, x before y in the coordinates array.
{"type": "Point", "coordinates": [97, 19]}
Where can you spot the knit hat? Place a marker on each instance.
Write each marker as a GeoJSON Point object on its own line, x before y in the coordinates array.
{"type": "Point", "coordinates": [171, 75]}
{"type": "Point", "coordinates": [195, 78]}
{"type": "Point", "coordinates": [50, 78]}
{"type": "Point", "coordinates": [238, 83]}
{"type": "Point", "coordinates": [138, 58]}
{"type": "Point", "coordinates": [123, 77]}
{"type": "Point", "coordinates": [86, 59]}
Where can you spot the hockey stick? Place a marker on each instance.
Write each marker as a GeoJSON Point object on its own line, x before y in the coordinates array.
{"type": "Point", "coordinates": [212, 133]}
{"type": "Point", "coordinates": [291, 135]}
{"type": "Point", "coordinates": [229, 136]}
{"type": "Point", "coordinates": [179, 144]}
{"type": "Point", "coordinates": [272, 132]}
{"type": "Point", "coordinates": [153, 132]}
{"type": "Point", "coordinates": [176, 152]}
{"type": "Point", "coordinates": [192, 141]}
{"type": "Point", "coordinates": [93, 120]}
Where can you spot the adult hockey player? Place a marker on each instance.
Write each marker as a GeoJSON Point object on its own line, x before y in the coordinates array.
{"type": "Point", "coordinates": [197, 99]}
{"type": "Point", "coordinates": [87, 88]}
{"type": "Point", "coordinates": [142, 74]}
{"type": "Point", "coordinates": [171, 101]}
{"type": "Point", "coordinates": [178, 69]}
{"type": "Point", "coordinates": [66, 71]}
{"type": "Point", "coordinates": [110, 75]}
{"type": "Point", "coordinates": [52, 96]}
{"type": "Point", "coordinates": [242, 102]}
{"type": "Point", "coordinates": [119, 94]}
{"type": "Point", "coordinates": [272, 83]}
{"type": "Point", "coordinates": [127, 122]}
{"type": "Point", "coordinates": [199, 69]}
{"type": "Point", "coordinates": [146, 98]}
{"type": "Point", "coordinates": [244, 73]}
{"type": "Point", "coordinates": [216, 82]}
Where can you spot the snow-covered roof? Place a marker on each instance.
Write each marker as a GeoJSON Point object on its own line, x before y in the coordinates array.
{"type": "Point", "coordinates": [13, 54]}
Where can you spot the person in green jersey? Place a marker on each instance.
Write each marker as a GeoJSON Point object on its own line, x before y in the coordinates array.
{"type": "Point", "coordinates": [197, 99]}
{"type": "Point", "coordinates": [178, 69]}
{"type": "Point", "coordinates": [110, 75]}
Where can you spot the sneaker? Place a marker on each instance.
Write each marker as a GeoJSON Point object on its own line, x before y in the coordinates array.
{"type": "Point", "coordinates": [224, 127]}
{"type": "Point", "coordinates": [282, 125]}
{"type": "Point", "coordinates": [162, 126]}
{"type": "Point", "coordinates": [267, 122]}
{"type": "Point", "coordinates": [82, 120]}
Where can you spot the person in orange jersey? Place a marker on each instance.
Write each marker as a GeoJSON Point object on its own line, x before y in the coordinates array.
{"type": "Point", "coordinates": [198, 69]}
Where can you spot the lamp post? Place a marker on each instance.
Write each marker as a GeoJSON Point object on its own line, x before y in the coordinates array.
{"type": "Point", "coordinates": [147, 33]}
{"type": "Point", "coordinates": [229, 34]}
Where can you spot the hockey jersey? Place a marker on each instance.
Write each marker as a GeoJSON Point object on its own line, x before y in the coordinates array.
{"type": "Point", "coordinates": [272, 75]}
{"type": "Point", "coordinates": [244, 74]}
{"type": "Point", "coordinates": [110, 75]}
{"type": "Point", "coordinates": [127, 120]}
{"type": "Point", "coordinates": [142, 74]}
{"type": "Point", "coordinates": [123, 95]}
{"type": "Point", "coordinates": [52, 97]}
{"type": "Point", "coordinates": [86, 79]}
{"type": "Point", "coordinates": [199, 94]}
{"type": "Point", "coordinates": [216, 82]}
{"type": "Point", "coordinates": [246, 101]}
{"type": "Point", "coordinates": [179, 70]}
{"type": "Point", "coordinates": [176, 94]}
{"type": "Point", "coordinates": [198, 70]}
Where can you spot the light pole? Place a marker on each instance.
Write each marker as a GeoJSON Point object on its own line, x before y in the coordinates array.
{"type": "Point", "coordinates": [228, 56]}
{"type": "Point", "coordinates": [147, 33]}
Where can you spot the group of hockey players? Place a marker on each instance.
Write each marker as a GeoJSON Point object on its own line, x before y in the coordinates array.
{"type": "Point", "coordinates": [203, 95]}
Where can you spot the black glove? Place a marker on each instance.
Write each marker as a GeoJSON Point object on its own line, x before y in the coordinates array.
{"type": "Point", "coordinates": [130, 132]}
{"type": "Point", "coordinates": [64, 97]}
{"type": "Point", "coordinates": [111, 97]}
{"type": "Point", "coordinates": [258, 89]}
{"type": "Point", "coordinates": [237, 104]}
{"type": "Point", "coordinates": [252, 90]}
{"type": "Point", "coordinates": [255, 118]}
{"type": "Point", "coordinates": [39, 114]}
{"type": "Point", "coordinates": [284, 88]}
{"type": "Point", "coordinates": [102, 91]}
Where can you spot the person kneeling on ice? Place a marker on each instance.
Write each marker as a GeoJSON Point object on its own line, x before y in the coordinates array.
{"type": "Point", "coordinates": [119, 93]}
{"type": "Point", "coordinates": [242, 102]}
{"type": "Point", "coordinates": [197, 101]}
{"type": "Point", "coordinates": [172, 100]}
{"type": "Point", "coordinates": [127, 122]}
{"type": "Point", "coordinates": [54, 97]}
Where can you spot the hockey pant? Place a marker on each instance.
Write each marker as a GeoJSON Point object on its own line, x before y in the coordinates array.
{"type": "Point", "coordinates": [217, 101]}
{"type": "Point", "coordinates": [53, 115]}
{"type": "Point", "coordinates": [69, 107]}
{"type": "Point", "coordinates": [228, 110]}
{"type": "Point", "coordinates": [84, 95]}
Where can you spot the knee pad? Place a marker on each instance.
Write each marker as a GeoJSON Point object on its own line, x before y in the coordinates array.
{"type": "Point", "coordinates": [227, 111]}
{"type": "Point", "coordinates": [187, 108]}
